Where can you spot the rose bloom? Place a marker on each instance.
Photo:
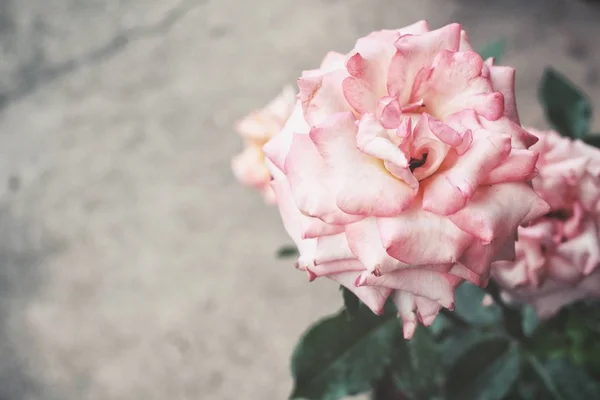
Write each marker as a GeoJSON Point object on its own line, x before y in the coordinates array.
{"type": "Point", "coordinates": [257, 128]}
{"type": "Point", "coordinates": [404, 170]}
{"type": "Point", "coordinates": [558, 254]}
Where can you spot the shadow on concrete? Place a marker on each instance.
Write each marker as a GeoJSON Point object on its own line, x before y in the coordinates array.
{"type": "Point", "coordinates": [23, 247]}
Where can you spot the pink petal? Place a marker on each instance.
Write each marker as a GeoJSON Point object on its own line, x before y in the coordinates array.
{"type": "Point", "coordinates": [415, 53]}
{"type": "Point", "coordinates": [278, 147]}
{"type": "Point", "coordinates": [509, 274]}
{"type": "Point", "coordinates": [333, 60]}
{"type": "Point", "coordinates": [372, 139]}
{"type": "Point", "coordinates": [419, 237]}
{"type": "Point", "coordinates": [261, 125]}
{"type": "Point", "coordinates": [250, 169]}
{"type": "Point", "coordinates": [520, 138]}
{"type": "Point", "coordinates": [304, 227]}
{"type": "Point", "coordinates": [433, 285]}
{"type": "Point", "coordinates": [372, 297]}
{"type": "Point", "coordinates": [336, 267]}
{"type": "Point", "coordinates": [418, 28]}
{"type": "Point", "coordinates": [359, 95]}
{"type": "Point", "coordinates": [292, 222]}
{"type": "Point", "coordinates": [562, 270]}
{"type": "Point", "coordinates": [443, 132]}
{"type": "Point", "coordinates": [496, 211]}
{"type": "Point", "coordinates": [426, 142]}
{"type": "Point", "coordinates": [332, 248]}
{"type": "Point", "coordinates": [427, 309]}
{"type": "Point", "coordinates": [465, 273]}
{"type": "Point", "coordinates": [370, 61]}
{"type": "Point", "coordinates": [503, 81]}
{"type": "Point", "coordinates": [464, 42]}
{"type": "Point", "coordinates": [405, 304]}
{"type": "Point", "coordinates": [518, 167]}
{"type": "Point", "coordinates": [548, 305]}
{"type": "Point", "coordinates": [583, 250]}
{"type": "Point", "coordinates": [310, 184]}
{"type": "Point", "coordinates": [456, 84]}
{"type": "Point", "coordinates": [457, 184]}
{"type": "Point", "coordinates": [321, 94]}
{"type": "Point", "coordinates": [389, 112]}
{"type": "Point", "coordinates": [365, 243]}
{"type": "Point", "coordinates": [364, 186]}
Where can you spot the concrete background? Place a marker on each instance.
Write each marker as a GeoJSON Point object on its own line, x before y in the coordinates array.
{"type": "Point", "coordinates": [132, 265]}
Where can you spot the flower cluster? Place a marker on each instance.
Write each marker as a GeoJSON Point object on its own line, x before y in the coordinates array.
{"type": "Point", "coordinates": [403, 169]}
{"type": "Point", "coordinates": [257, 128]}
{"type": "Point", "coordinates": [558, 254]}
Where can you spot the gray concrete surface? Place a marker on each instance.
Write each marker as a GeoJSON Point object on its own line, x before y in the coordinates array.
{"type": "Point", "coordinates": [132, 265]}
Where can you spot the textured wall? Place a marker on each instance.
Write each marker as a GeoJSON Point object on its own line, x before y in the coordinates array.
{"type": "Point", "coordinates": [132, 266]}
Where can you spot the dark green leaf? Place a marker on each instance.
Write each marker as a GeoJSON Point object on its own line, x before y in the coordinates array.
{"type": "Point", "coordinates": [593, 140]}
{"type": "Point", "coordinates": [494, 49]}
{"type": "Point", "coordinates": [530, 320]}
{"type": "Point", "coordinates": [441, 324]}
{"type": "Point", "coordinates": [567, 108]}
{"type": "Point", "coordinates": [351, 302]}
{"type": "Point", "coordinates": [469, 299]}
{"type": "Point", "coordinates": [487, 371]}
{"type": "Point", "coordinates": [287, 252]}
{"type": "Point", "coordinates": [387, 389]}
{"type": "Point", "coordinates": [418, 370]}
{"type": "Point", "coordinates": [563, 380]}
{"type": "Point", "coordinates": [459, 342]}
{"type": "Point", "coordinates": [339, 356]}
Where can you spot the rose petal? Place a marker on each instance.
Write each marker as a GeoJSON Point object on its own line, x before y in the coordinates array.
{"type": "Point", "coordinates": [503, 81]}
{"type": "Point", "coordinates": [310, 183]}
{"type": "Point", "coordinates": [365, 243]}
{"type": "Point", "coordinates": [419, 237]}
{"type": "Point", "coordinates": [321, 94]}
{"type": "Point", "coordinates": [372, 297]}
{"type": "Point", "coordinates": [364, 187]}
{"type": "Point", "coordinates": [458, 184]}
{"type": "Point", "coordinates": [414, 53]}
{"type": "Point", "coordinates": [456, 84]}
{"type": "Point", "coordinates": [433, 285]}
{"type": "Point", "coordinates": [497, 210]}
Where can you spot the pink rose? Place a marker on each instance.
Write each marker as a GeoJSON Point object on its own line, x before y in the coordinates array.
{"type": "Point", "coordinates": [249, 167]}
{"type": "Point", "coordinates": [558, 254]}
{"type": "Point", "coordinates": [403, 169]}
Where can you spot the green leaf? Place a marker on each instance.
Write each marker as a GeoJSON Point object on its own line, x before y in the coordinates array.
{"type": "Point", "coordinates": [530, 320]}
{"type": "Point", "coordinates": [351, 302]}
{"type": "Point", "coordinates": [459, 342]}
{"type": "Point", "coordinates": [468, 302]}
{"type": "Point", "coordinates": [593, 140]}
{"type": "Point", "coordinates": [287, 252]}
{"type": "Point", "coordinates": [339, 356]}
{"type": "Point", "coordinates": [565, 381]}
{"type": "Point", "coordinates": [487, 371]}
{"type": "Point", "coordinates": [495, 49]}
{"type": "Point", "coordinates": [418, 370]}
{"type": "Point", "coordinates": [567, 108]}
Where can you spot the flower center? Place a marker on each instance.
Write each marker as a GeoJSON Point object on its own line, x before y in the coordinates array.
{"type": "Point", "coordinates": [561, 215]}
{"type": "Point", "coordinates": [415, 163]}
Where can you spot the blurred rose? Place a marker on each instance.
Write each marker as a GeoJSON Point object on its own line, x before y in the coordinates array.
{"type": "Point", "coordinates": [558, 255]}
{"type": "Point", "coordinates": [257, 128]}
{"type": "Point", "coordinates": [402, 170]}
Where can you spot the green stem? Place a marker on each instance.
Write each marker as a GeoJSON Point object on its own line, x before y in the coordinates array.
{"type": "Point", "coordinates": [386, 389]}
{"type": "Point", "coordinates": [512, 317]}
{"type": "Point", "coordinates": [540, 371]}
{"type": "Point", "coordinates": [456, 319]}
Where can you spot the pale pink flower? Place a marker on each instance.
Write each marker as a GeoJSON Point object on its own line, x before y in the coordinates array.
{"type": "Point", "coordinates": [558, 254]}
{"type": "Point", "coordinates": [249, 167]}
{"type": "Point", "coordinates": [403, 169]}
